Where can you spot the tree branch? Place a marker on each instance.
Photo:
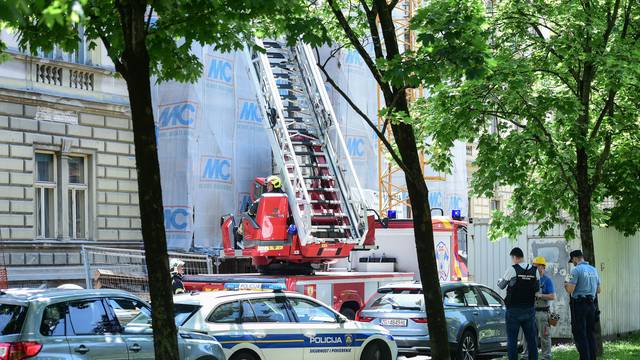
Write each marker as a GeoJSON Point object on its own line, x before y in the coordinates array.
{"type": "Point", "coordinates": [597, 176]}
{"type": "Point", "coordinates": [149, 20]}
{"type": "Point", "coordinates": [373, 27]}
{"type": "Point", "coordinates": [119, 65]}
{"type": "Point", "coordinates": [559, 76]}
{"type": "Point", "coordinates": [366, 118]}
{"type": "Point", "coordinates": [611, 22]}
{"type": "Point", "coordinates": [608, 106]}
{"type": "Point", "coordinates": [356, 42]}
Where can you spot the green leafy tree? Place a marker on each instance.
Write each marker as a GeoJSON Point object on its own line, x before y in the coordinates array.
{"type": "Point", "coordinates": [557, 116]}
{"type": "Point", "coordinates": [451, 46]}
{"type": "Point", "coordinates": [145, 38]}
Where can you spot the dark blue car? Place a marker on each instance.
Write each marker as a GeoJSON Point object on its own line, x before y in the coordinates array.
{"type": "Point", "coordinates": [475, 318]}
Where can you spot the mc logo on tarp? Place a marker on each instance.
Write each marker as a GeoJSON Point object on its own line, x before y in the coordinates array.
{"type": "Point", "coordinates": [248, 111]}
{"type": "Point", "coordinates": [219, 70]}
{"type": "Point", "coordinates": [356, 147]}
{"type": "Point", "coordinates": [215, 169]}
{"type": "Point", "coordinates": [177, 115]}
{"type": "Point", "coordinates": [177, 219]}
{"type": "Point", "coordinates": [436, 199]}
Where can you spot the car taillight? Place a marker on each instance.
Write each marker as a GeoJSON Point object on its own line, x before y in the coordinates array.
{"type": "Point", "coordinates": [19, 350]}
{"type": "Point", "coordinates": [365, 318]}
{"type": "Point", "coordinates": [420, 320]}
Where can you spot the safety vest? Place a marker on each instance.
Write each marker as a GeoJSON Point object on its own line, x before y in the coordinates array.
{"type": "Point", "coordinates": [522, 293]}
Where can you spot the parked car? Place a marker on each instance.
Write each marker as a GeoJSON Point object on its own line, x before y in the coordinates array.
{"type": "Point", "coordinates": [475, 318]}
{"type": "Point", "coordinates": [275, 325]}
{"type": "Point", "coordinates": [86, 324]}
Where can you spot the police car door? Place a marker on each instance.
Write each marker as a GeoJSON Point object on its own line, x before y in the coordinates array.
{"type": "Point", "coordinates": [271, 325]}
{"type": "Point", "coordinates": [325, 337]}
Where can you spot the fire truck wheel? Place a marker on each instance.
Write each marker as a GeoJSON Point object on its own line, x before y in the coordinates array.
{"type": "Point", "coordinates": [376, 350]}
{"type": "Point", "coordinates": [348, 312]}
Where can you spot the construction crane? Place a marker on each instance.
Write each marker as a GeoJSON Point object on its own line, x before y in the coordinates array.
{"type": "Point", "coordinates": [392, 189]}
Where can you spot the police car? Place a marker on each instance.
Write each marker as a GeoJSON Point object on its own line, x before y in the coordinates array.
{"type": "Point", "coordinates": [275, 325]}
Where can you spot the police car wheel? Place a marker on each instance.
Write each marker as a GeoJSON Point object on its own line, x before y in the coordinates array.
{"type": "Point", "coordinates": [244, 356]}
{"type": "Point", "coordinates": [376, 351]}
{"type": "Point", "coordinates": [467, 346]}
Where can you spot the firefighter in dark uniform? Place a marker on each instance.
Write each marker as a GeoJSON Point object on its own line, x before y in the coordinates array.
{"type": "Point", "coordinates": [583, 286]}
{"type": "Point", "coordinates": [177, 270]}
{"type": "Point", "coordinates": [521, 281]}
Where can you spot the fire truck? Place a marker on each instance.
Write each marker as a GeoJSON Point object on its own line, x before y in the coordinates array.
{"type": "Point", "coordinates": [322, 213]}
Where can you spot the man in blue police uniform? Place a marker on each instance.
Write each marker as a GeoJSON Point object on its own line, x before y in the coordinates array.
{"type": "Point", "coordinates": [583, 286]}
{"type": "Point", "coordinates": [521, 281]}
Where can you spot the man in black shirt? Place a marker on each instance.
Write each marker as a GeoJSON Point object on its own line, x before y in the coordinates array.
{"type": "Point", "coordinates": [522, 283]}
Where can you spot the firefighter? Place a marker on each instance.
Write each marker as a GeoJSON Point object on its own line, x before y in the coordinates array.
{"type": "Point", "coordinates": [274, 185]}
{"type": "Point", "coordinates": [176, 266]}
{"type": "Point", "coordinates": [583, 286]}
{"type": "Point", "coordinates": [521, 281]}
{"type": "Point", "coordinates": [543, 309]}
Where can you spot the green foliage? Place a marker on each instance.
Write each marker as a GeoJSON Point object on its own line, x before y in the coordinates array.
{"type": "Point", "coordinates": [173, 29]}
{"type": "Point", "coordinates": [564, 77]}
{"type": "Point", "coordinates": [451, 45]}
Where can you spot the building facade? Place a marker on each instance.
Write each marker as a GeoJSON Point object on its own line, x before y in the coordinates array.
{"type": "Point", "coordinates": [67, 162]}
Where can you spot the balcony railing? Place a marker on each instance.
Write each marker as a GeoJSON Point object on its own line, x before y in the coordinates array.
{"type": "Point", "coordinates": [55, 74]}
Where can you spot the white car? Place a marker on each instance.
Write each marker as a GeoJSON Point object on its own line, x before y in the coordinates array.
{"type": "Point", "coordinates": [275, 325]}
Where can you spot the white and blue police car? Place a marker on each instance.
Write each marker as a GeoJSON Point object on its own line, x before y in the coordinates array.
{"type": "Point", "coordinates": [257, 323]}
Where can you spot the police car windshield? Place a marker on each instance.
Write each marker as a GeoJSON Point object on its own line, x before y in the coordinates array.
{"type": "Point", "coordinates": [11, 318]}
{"type": "Point", "coordinates": [184, 312]}
{"type": "Point", "coordinates": [405, 299]}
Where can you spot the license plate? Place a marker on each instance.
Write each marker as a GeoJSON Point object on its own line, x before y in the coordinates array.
{"type": "Point", "coordinates": [393, 322]}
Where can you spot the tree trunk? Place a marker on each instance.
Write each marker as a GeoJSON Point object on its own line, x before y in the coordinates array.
{"type": "Point", "coordinates": [423, 232]}
{"type": "Point", "coordinates": [584, 223]}
{"type": "Point", "coordinates": [135, 70]}
{"type": "Point", "coordinates": [404, 137]}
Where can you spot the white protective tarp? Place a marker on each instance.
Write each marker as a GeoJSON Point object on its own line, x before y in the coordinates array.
{"type": "Point", "coordinates": [211, 146]}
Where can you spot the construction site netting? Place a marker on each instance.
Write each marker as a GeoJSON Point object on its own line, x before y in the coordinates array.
{"type": "Point", "coordinates": [126, 269]}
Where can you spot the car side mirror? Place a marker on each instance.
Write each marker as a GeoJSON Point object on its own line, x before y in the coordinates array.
{"type": "Point", "coordinates": [341, 319]}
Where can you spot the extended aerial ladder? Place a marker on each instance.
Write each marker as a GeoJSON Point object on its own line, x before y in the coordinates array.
{"type": "Point", "coordinates": [325, 199]}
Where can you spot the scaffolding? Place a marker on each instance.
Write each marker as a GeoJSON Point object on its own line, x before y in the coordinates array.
{"type": "Point", "coordinates": [392, 192]}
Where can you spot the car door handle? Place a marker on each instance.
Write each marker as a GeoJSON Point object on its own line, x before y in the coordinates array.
{"type": "Point", "coordinates": [476, 313]}
{"type": "Point", "coordinates": [135, 348]}
{"type": "Point", "coordinates": [82, 349]}
{"type": "Point", "coordinates": [260, 335]}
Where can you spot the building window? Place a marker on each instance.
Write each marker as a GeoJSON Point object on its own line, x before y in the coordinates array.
{"type": "Point", "coordinates": [81, 55]}
{"type": "Point", "coordinates": [495, 204]}
{"type": "Point", "coordinates": [45, 195]}
{"type": "Point", "coordinates": [77, 185]}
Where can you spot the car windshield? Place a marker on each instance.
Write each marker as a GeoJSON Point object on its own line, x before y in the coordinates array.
{"type": "Point", "coordinates": [409, 299]}
{"type": "Point", "coordinates": [11, 318]}
{"type": "Point", "coordinates": [183, 312]}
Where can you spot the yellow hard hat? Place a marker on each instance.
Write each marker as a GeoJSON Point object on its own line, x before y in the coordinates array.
{"type": "Point", "coordinates": [275, 181]}
{"type": "Point", "coordinates": [539, 260]}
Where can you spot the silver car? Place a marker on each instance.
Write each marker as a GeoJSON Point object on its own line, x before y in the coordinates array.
{"type": "Point", "coordinates": [475, 318]}
{"type": "Point", "coordinates": [86, 324]}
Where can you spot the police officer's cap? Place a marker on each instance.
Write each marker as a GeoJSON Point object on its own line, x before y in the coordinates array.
{"type": "Point", "coordinates": [575, 253]}
{"type": "Point", "coordinates": [517, 252]}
